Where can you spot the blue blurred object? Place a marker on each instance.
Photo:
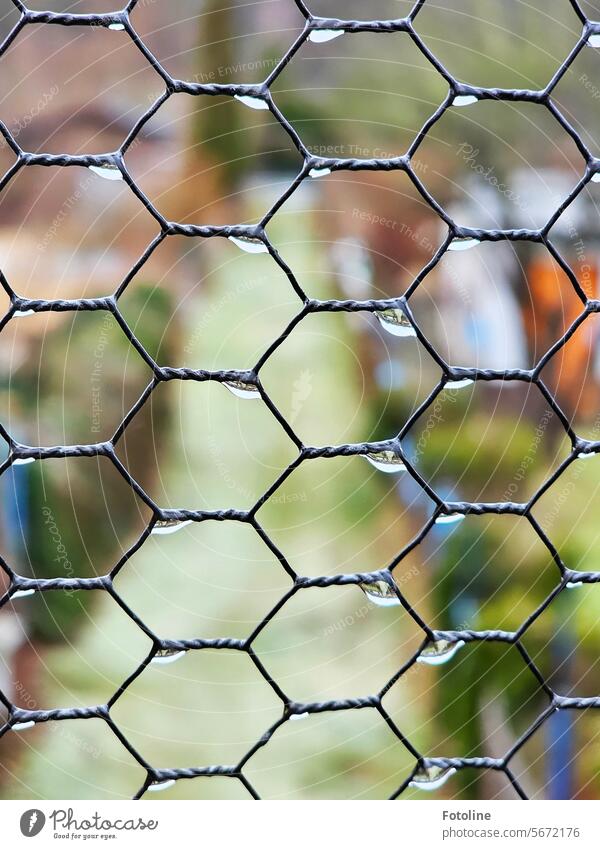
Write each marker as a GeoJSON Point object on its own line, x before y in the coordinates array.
{"type": "Point", "coordinates": [14, 515]}
{"type": "Point", "coordinates": [559, 763]}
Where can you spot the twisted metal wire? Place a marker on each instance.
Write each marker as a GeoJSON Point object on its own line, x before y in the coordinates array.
{"type": "Point", "coordinates": [306, 453]}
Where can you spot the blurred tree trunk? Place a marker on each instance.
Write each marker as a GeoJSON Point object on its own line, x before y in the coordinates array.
{"type": "Point", "coordinates": [218, 127]}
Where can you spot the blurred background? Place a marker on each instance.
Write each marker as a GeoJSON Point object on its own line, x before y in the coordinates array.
{"type": "Point", "coordinates": [339, 377]}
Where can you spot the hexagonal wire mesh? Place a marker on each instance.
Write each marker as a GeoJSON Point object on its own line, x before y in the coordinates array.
{"type": "Point", "coordinates": [395, 314]}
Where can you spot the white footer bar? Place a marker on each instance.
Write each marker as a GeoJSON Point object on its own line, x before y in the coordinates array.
{"type": "Point", "coordinates": [302, 825]}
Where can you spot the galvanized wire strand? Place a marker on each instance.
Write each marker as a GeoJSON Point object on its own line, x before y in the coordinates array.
{"type": "Point", "coordinates": [543, 99]}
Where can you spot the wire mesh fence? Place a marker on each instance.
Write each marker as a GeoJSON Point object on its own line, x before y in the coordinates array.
{"type": "Point", "coordinates": [394, 315]}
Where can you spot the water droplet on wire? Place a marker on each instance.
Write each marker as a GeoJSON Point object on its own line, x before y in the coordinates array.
{"type": "Point", "coordinates": [241, 389]}
{"type": "Point", "coordinates": [23, 461]}
{"type": "Point", "coordinates": [23, 313]}
{"type": "Point", "coordinates": [439, 651]}
{"type": "Point", "coordinates": [459, 384]}
{"type": "Point", "coordinates": [251, 246]}
{"type": "Point", "coordinates": [252, 102]}
{"type": "Point", "coordinates": [464, 100]}
{"type": "Point", "coordinates": [593, 40]}
{"type": "Point", "coordinates": [586, 455]}
{"type": "Point", "coordinates": [396, 323]}
{"type": "Point", "coordinates": [380, 593]}
{"type": "Point", "coordinates": [431, 777]}
{"type": "Point", "coordinates": [116, 27]}
{"type": "Point", "coordinates": [449, 518]}
{"type": "Point", "coordinates": [22, 593]}
{"type": "Point", "coordinates": [320, 36]}
{"type": "Point", "coordinates": [596, 177]}
{"type": "Point", "coordinates": [158, 786]}
{"type": "Point", "coordinates": [315, 173]}
{"type": "Point", "coordinates": [462, 244]}
{"type": "Point", "coordinates": [107, 172]}
{"type": "Point", "coordinates": [573, 585]}
{"type": "Point", "coordinates": [386, 461]}
{"type": "Point", "coordinates": [169, 526]}
{"type": "Point", "coordinates": [22, 726]}
{"type": "Point", "coordinates": [164, 656]}
{"type": "Point", "coordinates": [295, 717]}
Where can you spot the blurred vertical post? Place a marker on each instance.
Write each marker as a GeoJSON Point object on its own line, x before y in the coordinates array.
{"type": "Point", "coordinates": [217, 127]}
{"type": "Point", "coordinates": [560, 782]}
{"type": "Point", "coordinates": [560, 754]}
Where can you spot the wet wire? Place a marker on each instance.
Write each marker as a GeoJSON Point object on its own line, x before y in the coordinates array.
{"type": "Point", "coordinates": [428, 772]}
